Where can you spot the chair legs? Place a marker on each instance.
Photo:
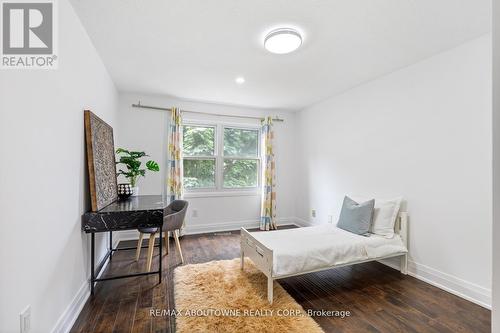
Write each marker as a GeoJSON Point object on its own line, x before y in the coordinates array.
{"type": "Point", "coordinates": [167, 242]}
{"type": "Point", "coordinates": [139, 245]}
{"type": "Point", "coordinates": [176, 236]}
{"type": "Point", "coordinates": [151, 247]}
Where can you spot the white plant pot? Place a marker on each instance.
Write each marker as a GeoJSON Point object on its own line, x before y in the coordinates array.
{"type": "Point", "coordinates": [135, 191]}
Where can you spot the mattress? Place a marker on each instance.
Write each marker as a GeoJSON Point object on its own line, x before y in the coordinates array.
{"type": "Point", "coordinates": [306, 249]}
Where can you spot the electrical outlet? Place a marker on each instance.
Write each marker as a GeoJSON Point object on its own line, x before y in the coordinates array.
{"type": "Point", "coordinates": [330, 219]}
{"type": "Point", "coordinates": [195, 213]}
{"type": "Point", "coordinates": [313, 212]}
{"type": "Point", "coordinates": [25, 319]}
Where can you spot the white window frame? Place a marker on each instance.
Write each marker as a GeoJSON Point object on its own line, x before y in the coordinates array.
{"type": "Point", "coordinates": [219, 189]}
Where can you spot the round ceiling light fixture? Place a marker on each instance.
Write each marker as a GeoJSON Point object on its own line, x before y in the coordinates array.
{"type": "Point", "coordinates": [282, 40]}
{"type": "Point", "coordinates": [240, 80]}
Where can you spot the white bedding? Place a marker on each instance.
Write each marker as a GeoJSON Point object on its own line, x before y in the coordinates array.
{"type": "Point", "coordinates": [305, 249]}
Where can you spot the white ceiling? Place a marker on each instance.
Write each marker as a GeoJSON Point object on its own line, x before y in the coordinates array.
{"type": "Point", "coordinates": [194, 49]}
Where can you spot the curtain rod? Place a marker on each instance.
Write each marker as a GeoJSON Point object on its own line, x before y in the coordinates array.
{"type": "Point", "coordinates": [139, 105]}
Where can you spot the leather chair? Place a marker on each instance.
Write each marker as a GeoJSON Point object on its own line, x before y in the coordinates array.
{"type": "Point", "coordinates": [173, 220]}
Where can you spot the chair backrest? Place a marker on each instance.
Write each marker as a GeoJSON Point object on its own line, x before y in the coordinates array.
{"type": "Point", "coordinates": [174, 215]}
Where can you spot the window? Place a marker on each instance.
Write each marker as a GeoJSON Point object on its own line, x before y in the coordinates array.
{"type": "Point", "coordinates": [199, 157]}
{"type": "Point", "coordinates": [241, 157]}
{"type": "Point", "coordinates": [218, 157]}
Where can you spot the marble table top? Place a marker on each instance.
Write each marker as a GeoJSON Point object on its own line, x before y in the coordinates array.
{"type": "Point", "coordinates": [145, 211]}
{"type": "Point", "coordinates": [137, 203]}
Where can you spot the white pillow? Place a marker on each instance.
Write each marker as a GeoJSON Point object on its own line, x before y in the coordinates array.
{"type": "Point", "coordinates": [384, 215]}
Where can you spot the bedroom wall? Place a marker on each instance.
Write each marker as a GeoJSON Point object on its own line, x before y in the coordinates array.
{"type": "Point", "coordinates": [495, 315]}
{"type": "Point", "coordinates": [44, 189]}
{"type": "Point", "coordinates": [424, 133]}
{"type": "Point", "coordinates": [146, 130]}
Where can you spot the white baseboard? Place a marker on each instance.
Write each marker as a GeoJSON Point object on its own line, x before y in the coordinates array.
{"type": "Point", "coordinates": [228, 226]}
{"type": "Point", "coordinates": [464, 289]}
{"type": "Point", "coordinates": [72, 311]}
{"type": "Point", "coordinates": [202, 228]}
{"type": "Point", "coordinates": [216, 227]}
{"type": "Point", "coordinates": [459, 287]}
{"type": "Point", "coordinates": [69, 316]}
{"type": "Point", "coordinates": [302, 223]}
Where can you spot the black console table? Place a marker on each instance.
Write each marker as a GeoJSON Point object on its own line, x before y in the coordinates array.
{"type": "Point", "coordinates": [139, 211]}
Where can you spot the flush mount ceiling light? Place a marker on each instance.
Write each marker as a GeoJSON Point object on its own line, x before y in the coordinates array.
{"type": "Point", "coordinates": [240, 80]}
{"type": "Point", "coordinates": [282, 41]}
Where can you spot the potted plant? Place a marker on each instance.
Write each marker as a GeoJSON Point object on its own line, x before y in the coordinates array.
{"type": "Point", "coordinates": [131, 159]}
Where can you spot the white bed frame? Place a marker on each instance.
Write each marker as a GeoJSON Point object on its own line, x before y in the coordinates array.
{"type": "Point", "coordinates": [262, 256]}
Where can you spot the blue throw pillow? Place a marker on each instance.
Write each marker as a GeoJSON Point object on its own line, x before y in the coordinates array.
{"type": "Point", "coordinates": [356, 217]}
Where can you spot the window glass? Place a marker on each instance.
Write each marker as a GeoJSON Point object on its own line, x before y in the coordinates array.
{"type": "Point", "coordinates": [199, 141]}
{"type": "Point", "coordinates": [240, 173]}
{"type": "Point", "coordinates": [241, 142]}
{"type": "Point", "coordinates": [199, 173]}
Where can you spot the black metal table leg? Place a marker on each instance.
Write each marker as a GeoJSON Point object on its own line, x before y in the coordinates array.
{"type": "Point", "coordinates": [92, 250]}
{"type": "Point", "coordinates": [95, 270]}
{"type": "Point", "coordinates": [111, 245]}
{"type": "Point", "coordinates": [161, 247]}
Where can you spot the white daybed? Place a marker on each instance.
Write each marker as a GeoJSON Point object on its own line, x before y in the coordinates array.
{"type": "Point", "coordinates": [289, 252]}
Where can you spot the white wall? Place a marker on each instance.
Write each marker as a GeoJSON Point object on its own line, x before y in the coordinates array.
{"type": "Point", "coordinates": [44, 190]}
{"type": "Point", "coordinates": [145, 129]}
{"type": "Point", "coordinates": [423, 132]}
{"type": "Point", "coordinates": [495, 316]}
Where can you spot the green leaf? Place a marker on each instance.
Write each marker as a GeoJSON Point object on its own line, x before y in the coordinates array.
{"type": "Point", "coordinates": [121, 150]}
{"type": "Point", "coordinates": [137, 154]}
{"type": "Point", "coordinates": [152, 166]}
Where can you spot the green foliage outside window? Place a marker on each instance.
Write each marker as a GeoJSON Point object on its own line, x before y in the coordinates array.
{"type": "Point", "coordinates": [240, 173]}
{"type": "Point", "coordinates": [239, 157]}
{"type": "Point", "coordinates": [240, 142]}
{"type": "Point", "coordinates": [198, 141]}
{"type": "Point", "coordinates": [199, 173]}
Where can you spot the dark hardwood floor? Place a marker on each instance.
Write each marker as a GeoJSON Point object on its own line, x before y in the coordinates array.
{"type": "Point", "coordinates": [379, 298]}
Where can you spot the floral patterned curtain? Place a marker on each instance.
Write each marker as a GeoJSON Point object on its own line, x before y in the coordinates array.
{"type": "Point", "coordinates": [268, 206]}
{"type": "Point", "coordinates": [175, 188]}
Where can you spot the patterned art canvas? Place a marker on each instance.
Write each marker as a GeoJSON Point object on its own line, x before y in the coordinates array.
{"type": "Point", "coordinates": [101, 161]}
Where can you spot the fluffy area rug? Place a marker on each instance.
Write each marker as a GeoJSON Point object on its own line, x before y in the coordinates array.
{"type": "Point", "coordinates": [219, 297]}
